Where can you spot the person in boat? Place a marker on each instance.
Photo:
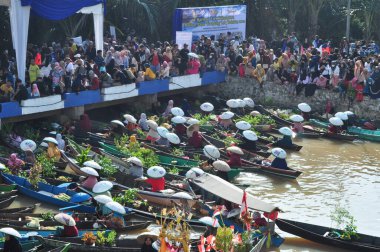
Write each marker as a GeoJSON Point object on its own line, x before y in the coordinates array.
{"type": "Point", "coordinates": [279, 160]}
{"type": "Point", "coordinates": [191, 129]}
{"type": "Point", "coordinates": [286, 141]}
{"type": "Point", "coordinates": [180, 129]}
{"type": "Point", "coordinates": [167, 111]}
{"type": "Point", "coordinates": [15, 164]}
{"type": "Point", "coordinates": [305, 111]}
{"type": "Point", "coordinates": [186, 107]}
{"type": "Point", "coordinates": [136, 169]}
{"type": "Point", "coordinates": [156, 178]}
{"type": "Point", "coordinates": [53, 151]}
{"type": "Point", "coordinates": [163, 141]}
{"type": "Point", "coordinates": [297, 123]}
{"type": "Point", "coordinates": [195, 140]}
{"type": "Point", "coordinates": [225, 123]}
{"type": "Point", "coordinates": [11, 243]}
{"type": "Point", "coordinates": [130, 123]}
{"type": "Point", "coordinates": [222, 169]}
{"type": "Point", "coordinates": [69, 225]}
{"type": "Point", "coordinates": [143, 122]}
{"type": "Point", "coordinates": [29, 157]}
{"type": "Point", "coordinates": [61, 142]}
{"type": "Point", "coordinates": [92, 178]}
{"type": "Point", "coordinates": [115, 220]}
{"type": "Point", "coordinates": [250, 141]}
{"type": "Point", "coordinates": [259, 222]}
{"type": "Point", "coordinates": [152, 135]}
{"type": "Point", "coordinates": [235, 156]}
{"type": "Point", "coordinates": [333, 129]}
{"type": "Point", "coordinates": [147, 245]}
{"type": "Point", "coordinates": [85, 123]}
{"type": "Point", "coordinates": [116, 130]}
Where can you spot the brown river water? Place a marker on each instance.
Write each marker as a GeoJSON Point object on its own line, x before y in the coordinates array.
{"type": "Point", "coordinates": [333, 173]}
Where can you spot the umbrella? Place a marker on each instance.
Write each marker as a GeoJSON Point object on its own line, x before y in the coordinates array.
{"type": "Point", "coordinates": [209, 221]}
{"type": "Point", "coordinates": [92, 164]}
{"type": "Point", "coordinates": [278, 152]}
{"type": "Point", "coordinates": [141, 238]}
{"type": "Point", "coordinates": [207, 107]}
{"type": "Point", "coordinates": [156, 172]}
{"type": "Point", "coordinates": [90, 171]}
{"type": "Point", "coordinates": [232, 103]}
{"type": "Point", "coordinates": [236, 150]}
{"type": "Point", "coordinates": [80, 197]}
{"type": "Point", "coordinates": [152, 124]}
{"type": "Point", "coordinates": [304, 107]}
{"type": "Point", "coordinates": [211, 152]}
{"type": "Point", "coordinates": [250, 135]}
{"type": "Point", "coordinates": [116, 207]}
{"type": "Point", "coordinates": [193, 55]}
{"type": "Point", "coordinates": [102, 187]}
{"type": "Point", "coordinates": [117, 123]}
{"type": "Point", "coordinates": [130, 118]}
{"type": "Point", "coordinates": [343, 116]}
{"type": "Point", "coordinates": [192, 121]}
{"type": "Point", "coordinates": [227, 115]}
{"type": "Point", "coordinates": [162, 131]}
{"type": "Point", "coordinates": [250, 103]}
{"type": "Point", "coordinates": [28, 145]}
{"type": "Point", "coordinates": [296, 118]}
{"type": "Point", "coordinates": [50, 140]}
{"type": "Point", "coordinates": [177, 111]}
{"type": "Point", "coordinates": [178, 119]}
{"type": "Point", "coordinates": [65, 219]}
{"type": "Point", "coordinates": [243, 125]}
{"type": "Point", "coordinates": [221, 166]}
{"type": "Point", "coordinates": [173, 138]}
{"type": "Point", "coordinates": [194, 173]}
{"type": "Point", "coordinates": [241, 103]}
{"type": "Point", "coordinates": [10, 231]}
{"type": "Point", "coordinates": [255, 113]}
{"type": "Point", "coordinates": [336, 121]}
{"type": "Point", "coordinates": [135, 160]}
{"type": "Point", "coordinates": [286, 131]}
{"type": "Point", "coordinates": [182, 195]}
{"type": "Point", "coordinates": [103, 199]}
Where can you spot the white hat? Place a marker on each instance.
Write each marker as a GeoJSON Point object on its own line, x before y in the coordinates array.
{"type": "Point", "coordinates": [182, 195]}
{"type": "Point", "coordinates": [243, 125]}
{"type": "Point", "coordinates": [162, 131]}
{"type": "Point", "coordinates": [173, 138]}
{"type": "Point", "coordinates": [92, 164]}
{"type": "Point", "coordinates": [117, 123]}
{"type": "Point", "coordinates": [250, 103]}
{"type": "Point", "coordinates": [150, 234]}
{"type": "Point", "coordinates": [77, 55]}
{"type": "Point", "coordinates": [304, 107]}
{"type": "Point", "coordinates": [236, 150]}
{"type": "Point", "coordinates": [178, 119]}
{"type": "Point", "coordinates": [50, 140]}
{"type": "Point", "coordinates": [211, 152]}
{"type": "Point", "coordinates": [116, 207]}
{"type": "Point", "coordinates": [209, 221]}
{"type": "Point", "coordinates": [152, 124]}
{"type": "Point", "coordinates": [28, 145]}
{"type": "Point", "coordinates": [65, 219]}
{"type": "Point", "coordinates": [102, 187]}
{"type": "Point", "coordinates": [90, 171]}
{"type": "Point", "coordinates": [194, 173]}
{"type": "Point", "coordinates": [226, 115]}
{"type": "Point", "coordinates": [10, 231]}
{"type": "Point", "coordinates": [241, 103]}
{"type": "Point", "coordinates": [255, 113]}
{"type": "Point", "coordinates": [192, 121]}
{"type": "Point", "coordinates": [103, 199]}
{"type": "Point", "coordinates": [130, 118]}
{"type": "Point", "coordinates": [221, 166]}
{"type": "Point", "coordinates": [336, 121]}
{"type": "Point", "coordinates": [278, 152]}
{"type": "Point", "coordinates": [135, 160]}
{"type": "Point", "coordinates": [343, 116]}
{"type": "Point", "coordinates": [349, 113]}
{"type": "Point", "coordinates": [176, 111]}
{"type": "Point", "coordinates": [250, 135]}
{"type": "Point", "coordinates": [296, 118]}
{"type": "Point", "coordinates": [286, 131]}
{"type": "Point", "coordinates": [207, 107]}
{"type": "Point", "coordinates": [156, 172]}
{"type": "Point", "coordinates": [232, 103]}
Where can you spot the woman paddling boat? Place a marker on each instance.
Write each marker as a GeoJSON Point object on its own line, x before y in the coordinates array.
{"type": "Point", "coordinates": [297, 123]}
{"type": "Point", "coordinates": [279, 161]}
{"type": "Point", "coordinates": [286, 141]}
{"type": "Point", "coordinates": [305, 110]}
{"type": "Point", "coordinates": [69, 225]}
{"type": "Point", "coordinates": [11, 244]}
{"type": "Point", "coordinates": [335, 126]}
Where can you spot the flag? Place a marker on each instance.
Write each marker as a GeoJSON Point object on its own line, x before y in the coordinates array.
{"type": "Point", "coordinates": [215, 222]}
{"type": "Point", "coordinates": [163, 247]}
{"type": "Point", "coordinates": [201, 247]}
{"type": "Point", "coordinates": [272, 215]}
{"type": "Point", "coordinates": [244, 207]}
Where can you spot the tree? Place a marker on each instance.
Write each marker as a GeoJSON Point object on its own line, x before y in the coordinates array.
{"type": "Point", "coordinates": [367, 12]}
{"type": "Point", "coordinates": [293, 6]}
{"type": "Point", "coordinates": [314, 7]}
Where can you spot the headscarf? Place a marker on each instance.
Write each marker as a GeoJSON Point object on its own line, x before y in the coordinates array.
{"type": "Point", "coordinates": [165, 64]}
{"type": "Point", "coordinates": [35, 90]}
{"type": "Point", "coordinates": [196, 140]}
{"type": "Point", "coordinates": [61, 142]}
{"type": "Point", "coordinates": [142, 122]}
{"type": "Point", "coordinates": [14, 163]}
{"type": "Point", "coordinates": [168, 108]}
{"type": "Point", "coordinates": [85, 123]}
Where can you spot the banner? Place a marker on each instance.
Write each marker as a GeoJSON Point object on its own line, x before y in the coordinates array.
{"type": "Point", "coordinates": [78, 40]}
{"type": "Point", "coordinates": [113, 32]}
{"type": "Point", "coordinates": [183, 37]}
{"type": "Point", "coordinates": [208, 21]}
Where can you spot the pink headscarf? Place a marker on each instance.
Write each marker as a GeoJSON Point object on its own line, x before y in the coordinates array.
{"type": "Point", "coordinates": [164, 64]}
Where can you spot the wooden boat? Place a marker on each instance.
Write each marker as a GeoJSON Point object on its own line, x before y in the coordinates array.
{"type": "Point", "coordinates": [260, 244]}
{"type": "Point", "coordinates": [319, 234]}
{"type": "Point", "coordinates": [11, 211]}
{"type": "Point", "coordinates": [7, 188]}
{"type": "Point", "coordinates": [344, 137]}
{"type": "Point", "coordinates": [264, 138]}
{"type": "Point", "coordinates": [72, 166]}
{"type": "Point", "coordinates": [7, 202]}
{"type": "Point", "coordinates": [308, 135]}
{"type": "Point", "coordinates": [6, 195]}
{"type": "Point", "coordinates": [33, 245]}
{"type": "Point", "coordinates": [45, 193]}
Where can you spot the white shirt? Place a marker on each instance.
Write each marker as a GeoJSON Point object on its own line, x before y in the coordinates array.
{"type": "Point", "coordinates": [70, 68]}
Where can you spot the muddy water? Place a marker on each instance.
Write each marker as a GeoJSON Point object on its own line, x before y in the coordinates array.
{"type": "Point", "coordinates": [333, 173]}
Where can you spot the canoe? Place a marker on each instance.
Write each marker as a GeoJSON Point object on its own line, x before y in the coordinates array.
{"type": "Point", "coordinates": [6, 195]}
{"type": "Point", "coordinates": [319, 234]}
{"type": "Point", "coordinates": [7, 188]}
{"type": "Point", "coordinates": [344, 137]}
{"type": "Point", "coordinates": [277, 119]}
{"type": "Point", "coordinates": [45, 193]}
{"type": "Point", "coordinates": [32, 245]}
{"type": "Point", "coordinates": [308, 135]}
{"type": "Point", "coordinates": [264, 138]}
{"type": "Point", "coordinates": [11, 211]}
{"type": "Point", "coordinates": [7, 202]}
{"type": "Point", "coordinates": [72, 166]}
{"type": "Point", "coordinates": [260, 244]}
{"type": "Point", "coordinates": [370, 135]}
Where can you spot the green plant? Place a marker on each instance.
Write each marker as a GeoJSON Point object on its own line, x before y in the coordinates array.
{"type": "Point", "coordinates": [177, 152]}
{"type": "Point", "coordinates": [6, 129]}
{"type": "Point", "coordinates": [346, 222]}
{"type": "Point", "coordinates": [34, 174]}
{"type": "Point", "coordinates": [101, 238]}
{"type": "Point", "coordinates": [258, 120]}
{"type": "Point", "coordinates": [83, 156]}
{"type": "Point", "coordinates": [111, 238]}
{"type": "Point", "coordinates": [140, 133]}
{"type": "Point", "coordinates": [47, 165]}
{"type": "Point", "coordinates": [108, 168]}
{"type": "Point", "coordinates": [223, 240]}
{"type": "Point", "coordinates": [197, 157]}
{"type": "Point", "coordinates": [203, 119]}
{"type": "Point", "coordinates": [174, 170]}
{"type": "Point", "coordinates": [47, 216]}
{"type": "Point", "coordinates": [128, 197]}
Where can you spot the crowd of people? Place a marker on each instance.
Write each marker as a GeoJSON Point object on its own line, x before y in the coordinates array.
{"type": "Point", "coordinates": [350, 69]}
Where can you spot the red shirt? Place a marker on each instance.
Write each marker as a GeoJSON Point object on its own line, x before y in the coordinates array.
{"type": "Point", "coordinates": [157, 184]}
{"type": "Point", "coordinates": [70, 231]}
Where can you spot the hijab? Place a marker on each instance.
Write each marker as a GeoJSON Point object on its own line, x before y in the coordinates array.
{"type": "Point", "coordinates": [168, 108]}
{"type": "Point", "coordinates": [61, 142]}
{"type": "Point", "coordinates": [35, 90]}
{"type": "Point", "coordinates": [142, 122]}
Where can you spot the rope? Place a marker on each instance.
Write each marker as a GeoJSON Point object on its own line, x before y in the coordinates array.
{"type": "Point", "coordinates": [42, 105]}
{"type": "Point", "coordinates": [122, 92]}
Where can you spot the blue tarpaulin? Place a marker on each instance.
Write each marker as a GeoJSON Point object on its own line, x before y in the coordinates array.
{"type": "Point", "coordinates": [58, 9]}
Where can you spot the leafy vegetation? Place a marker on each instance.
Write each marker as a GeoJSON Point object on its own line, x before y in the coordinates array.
{"type": "Point", "coordinates": [47, 165]}
{"type": "Point", "coordinates": [108, 168]}
{"type": "Point", "coordinates": [203, 119]}
{"type": "Point", "coordinates": [35, 175]}
{"type": "Point", "coordinates": [128, 197]}
{"type": "Point", "coordinates": [228, 139]}
{"type": "Point", "coordinates": [47, 216]}
{"type": "Point", "coordinates": [83, 156]}
{"type": "Point", "coordinates": [224, 236]}
{"type": "Point", "coordinates": [258, 120]}
{"type": "Point", "coordinates": [104, 238]}
{"type": "Point", "coordinates": [177, 152]}
{"type": "Point", "coordinates": [173, 170]}
{"type": "Point", "coordinates": [346, 222]}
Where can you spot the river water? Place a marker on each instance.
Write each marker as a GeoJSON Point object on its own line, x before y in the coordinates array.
{"type": "Point", "coordinates": [333, 173]}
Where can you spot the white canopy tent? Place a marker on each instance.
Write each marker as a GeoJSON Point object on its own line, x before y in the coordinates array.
{"type": "Point", "coordinates": [19, 17]}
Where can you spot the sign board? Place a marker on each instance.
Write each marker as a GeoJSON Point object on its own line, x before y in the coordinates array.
{"type": "Point", "coordinates": [78, 40]}
{"type": "Point", "coordinates": [113, 32]}
{"type": "Point", "coordinates": [182, 38]}
{"type": "Point", "coordinates": [208, 21]}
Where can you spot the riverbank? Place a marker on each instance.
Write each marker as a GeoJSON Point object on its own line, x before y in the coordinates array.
{"type": "Point", "coordinates": [275, 94]}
